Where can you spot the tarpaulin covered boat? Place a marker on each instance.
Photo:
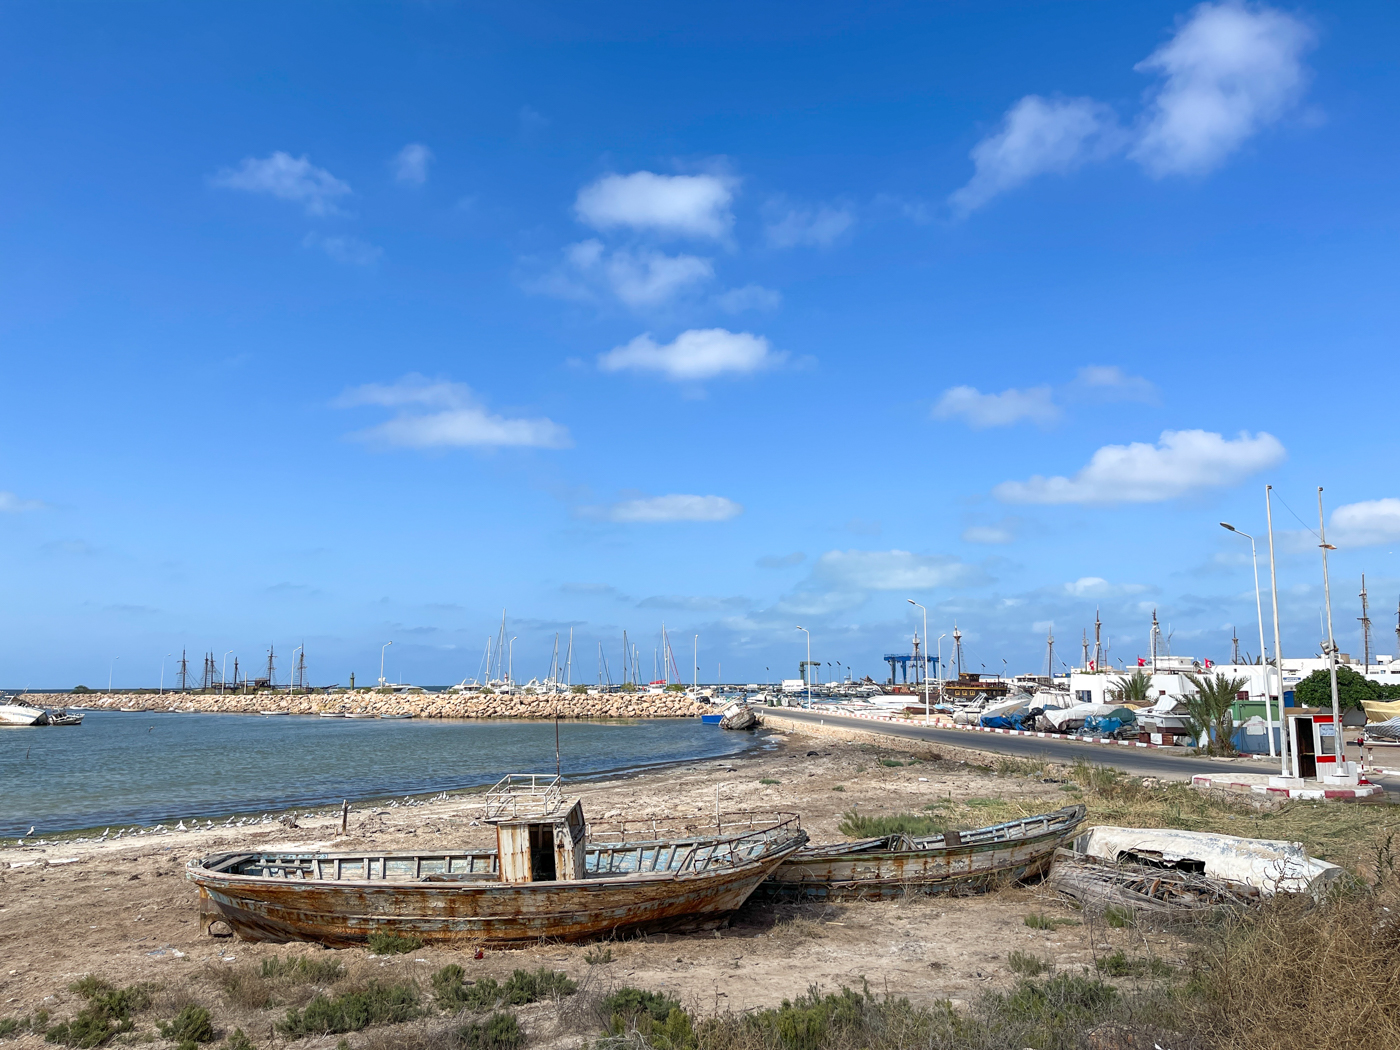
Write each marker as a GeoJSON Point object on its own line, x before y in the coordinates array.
{"type": "Point", "coordinates": [894, 865]}
{"type": "Point", "coordinates": [548, 877]}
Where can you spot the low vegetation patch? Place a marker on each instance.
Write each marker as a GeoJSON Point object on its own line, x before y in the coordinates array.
{"type": "Point", "coordinates": [353, 1011]}
{"type": "Point", "coordinates": [864, 826]}
{"type": "Point", "coordinates": [109, 1010]}
{"type": "Point", "coordinates": [1120, 965]}
{"type": "Point", "coordinates": [769, 780]}
{"type": "Point", "coordinates": [1041, 921]}
{"type": "Point", "coordinates": [598, 956]}
{"type": "Point", "coordinates": [301, 970]}
{"type": "Point", "coordinates": [191, 1026]}
{"type": "Point", "coordinates": [452, 991]}
{"type": "Point", "coordinates": [393, 944]}
{"type": "Point", "coordinates": [500, 1031]}
{"type": "Point", "coordinates": [1029, 965]}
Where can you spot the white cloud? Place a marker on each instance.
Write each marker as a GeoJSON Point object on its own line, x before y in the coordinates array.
{"type": "Point", "coordinates": [12, 504]}
{"type": "Point", "coordinates": [674, 507]}
{"type": "Point", "coordinates": [1036, 136]}
{"type": "Point", "coordinates": [1370, 523]}
{"type": "Point", "coordinates": [1098, 587]}
{"type": "Point", "coordinates": [439, 414]}
{"type": "Point", "coordinates": [1181, 463]}
{"type": "Point", "coordinates": [749, 297]}
{"type": "Point", "coordinates": [802, 226]}
{"type": "Point", "coordinates": [981, 410]}
{"type": "Point", "coordinates": [993, 534]}
{"type": "Point", "coordinates": [1231, 69]}
{"type": "Point", "coordinates": [700, 353]}
{"type": "Point", "coordinates": [348, 250]}
{"type": "Point", "coordinates": [692, 205]}
{"type": "Point", "coordinates": [892, 570]}
{"type": "Point", "coordinates": [410, 164]}
{"type": "Point", "coordinates": [287, 178]}
{"type": "Point", "coordinates": [642, 279]}
{"type": "Point", "coordinates": [1111, 383]}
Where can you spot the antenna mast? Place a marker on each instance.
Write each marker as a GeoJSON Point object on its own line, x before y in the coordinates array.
{"type": "Point", "coordinates": [1235, 650]}
{"type": "Point", "coordinates": [1365, 619]}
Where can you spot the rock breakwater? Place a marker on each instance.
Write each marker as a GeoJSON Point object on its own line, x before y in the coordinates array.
{"type": "Point", "coordinates": [375, 704]}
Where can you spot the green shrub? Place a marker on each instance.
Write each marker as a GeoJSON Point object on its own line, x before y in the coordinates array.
{"type": "Point", "coordinates": [302, 970]}
{"type": "Point", "coordinates": [10, 1025]}
{"type": "Point", "coordinates": [500, 1031]}
{"type": "Point", "coordinates": [393, 944]}
{"type": "Point", "coordinates": [109, 1011]}
{"type": "Point", "coordinates": [1063, 1003]}
{"type": "Point", "coordinates": [602, 955]}
{"type": "Point", "coordinates": [1028, 965]}
{"type": "Point", "coordinates": [239, 1041]}
{"type": "Point", "coordinates": [1039, 921]}
{"type": "Point", "coordinates": [353, 1011]}
{"type": "Point", "coordinates": [1119, 965]}
{"type": "Point", "coordinates": [630, 1003]}
{"type": "Point", "coordinates": [191, 1026]}
{"type": "Point", "coordinates": [860, 826]}
{"type": "Point", "coordinates": [769, 780]}
{"type": "Point", "coordinates": [657, 1019]}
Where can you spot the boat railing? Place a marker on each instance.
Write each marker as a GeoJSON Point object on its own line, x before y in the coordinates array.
{"type": "Point", "coordinates": [689, 848]}
{"type": "Point", "coordinates": [523, 795]}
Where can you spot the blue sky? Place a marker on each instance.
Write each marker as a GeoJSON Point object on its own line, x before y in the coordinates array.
{"type": "Point", "coordinates": [341, 325]}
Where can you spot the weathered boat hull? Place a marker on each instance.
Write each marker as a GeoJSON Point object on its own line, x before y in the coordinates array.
{"type": "Point", "coordinates": [464, 901]}
{"type": "Point", "coordinates": [979, 860]}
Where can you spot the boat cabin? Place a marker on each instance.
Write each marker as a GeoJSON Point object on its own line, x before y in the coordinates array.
{"type": "Point", "coordinates": [539, 833]}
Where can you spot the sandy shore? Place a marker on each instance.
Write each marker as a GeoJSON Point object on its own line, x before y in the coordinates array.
{"type": "Point", "coordinates": [123, 909]}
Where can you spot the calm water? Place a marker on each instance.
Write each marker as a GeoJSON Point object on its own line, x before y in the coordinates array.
{"type": "Point", "coordinates": [122, 769]}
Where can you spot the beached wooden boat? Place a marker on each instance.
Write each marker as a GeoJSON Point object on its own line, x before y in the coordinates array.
{"type": "Point", "coordinates": [549, 877]}
{"type": "Point", "coordinates": [894, 865]}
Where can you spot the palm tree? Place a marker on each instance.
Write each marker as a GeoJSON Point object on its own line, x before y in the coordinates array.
{"type": "Point", "coordinates": [1209, 711]}
{"type": "Point", "coordinates": [1135, 690]}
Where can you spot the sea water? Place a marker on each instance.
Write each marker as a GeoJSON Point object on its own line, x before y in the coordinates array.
{"type": "Point", "coordinates": [119, 769]}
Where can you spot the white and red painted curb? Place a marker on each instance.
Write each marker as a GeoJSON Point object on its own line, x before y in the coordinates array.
{"type": "Point", "coordinates": [1005, 732]}
{"type": "Point", "coordinates": [1365, 789]}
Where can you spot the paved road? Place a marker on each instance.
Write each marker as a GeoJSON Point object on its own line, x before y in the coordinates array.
{"type": "Point", "coordinates": [1140, 761]}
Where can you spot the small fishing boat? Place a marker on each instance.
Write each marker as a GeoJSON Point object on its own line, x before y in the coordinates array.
{"type": "Point", "coordinates": [712, 720]}
{"type": "Point", "coordinates": [360, 714]}
{"type": "Point", "coordinates": [396, 717]}
{"type": "Point", "coordinates": [332, 714]}
{"type": "Point", "coordinates": [894, 865]}
{"type": "Point", "coordinates": [550, 876]}
{"type": "Point", "coordinates": [65, 717]}
{"type": "Point", "coordinates": [270, 714]}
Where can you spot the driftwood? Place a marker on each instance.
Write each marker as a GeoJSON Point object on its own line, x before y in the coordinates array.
{"type": "Point", "coordinates": [1166, 894]}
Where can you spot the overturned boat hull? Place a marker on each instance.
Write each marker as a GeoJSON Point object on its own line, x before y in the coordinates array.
{"type": "Point", "coordinates": [896, 865]}
{"type": "Point", "coordinates": [340, 899]}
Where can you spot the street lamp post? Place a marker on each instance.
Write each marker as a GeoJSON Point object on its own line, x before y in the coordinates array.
{"type": "Point", "coordinates": [291, 675]}
{"type": "Point", "coordinates": [167, 656]}
{"type": "Point", "coordinates": [1331, 642]}
{"type": "Point", "coordinates": [1283, 742]}
{"type": "Point", "coordinates": [942, 671]}
{"type": "Point", "coordinates": [222, 675]}
{"type": "Point", "coordinates": [807, 671]}
{"type": "Point", "coordinates": [382, 648]}
{"type": "Point", "coordinates": [111, 668]}
{"type": "Point", "coordinates": [695, 668]}
{"type": "Point", "coordinates": [1263, 665]}
{"type": "Point", "coordinates": [926, 704]}
{"type": "Point", "coordinates": [510, 662]}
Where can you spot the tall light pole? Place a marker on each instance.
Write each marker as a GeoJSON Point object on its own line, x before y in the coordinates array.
{"type": "Point", "coordinates": [381, 662]}
{"type": "Point", "coordinates": [510, 661]}
{"type": "Point", "coordinates": [1278, 648]}
{"type": "Point", "coordinates": [111, 667]}
{"type": "Point", "coordinates": [1331, 642]}
{"type": "Point", "coordinates": [224, 673]}
{"type": "Point", "coordinates": [1259, 612]}
{"type": "Point", "coordinates": [807, 671]}
{"type": "Point", "coordinates": [942, 671]}
{"type": "Point", "coordinates": [167, 656]}
{"type": "Point", "coordinates": [695, 668]}
{"type": "Point", "coordinates": [292, 675]}
{"type": "Point", "coordinates": [926, 704]}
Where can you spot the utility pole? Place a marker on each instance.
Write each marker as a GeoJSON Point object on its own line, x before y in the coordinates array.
{"type": "Point", "coordinates": [1050, 654]}
{"type": "Point", "coordinates": [1365, 619]}
{"type": "Point", "coordinates": [1331, 640]}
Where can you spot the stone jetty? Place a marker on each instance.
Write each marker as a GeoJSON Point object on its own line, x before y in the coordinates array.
{"type": "Point", "coordinates": [374, 703]}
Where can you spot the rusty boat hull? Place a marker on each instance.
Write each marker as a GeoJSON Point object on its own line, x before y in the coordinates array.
{"type": "Point", "coordinates": [458, 897]}
{"type": "Point", "coordinates": [897, 865]}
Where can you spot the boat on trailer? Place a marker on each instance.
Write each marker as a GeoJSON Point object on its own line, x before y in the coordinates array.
{"type": "Point", "coordinates": [551, 876]}
{"type": "Point", "coordinates": [895, 865]}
